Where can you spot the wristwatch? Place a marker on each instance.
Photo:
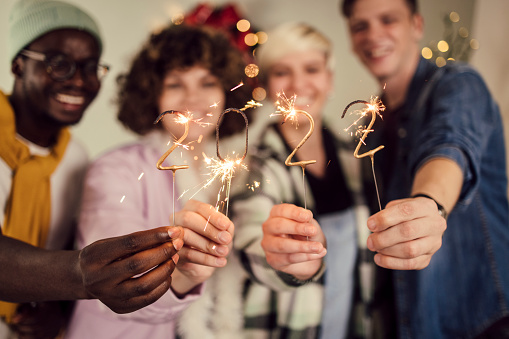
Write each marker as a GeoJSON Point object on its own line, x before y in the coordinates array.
{"type": "Point", "coordinates": [441, 209]}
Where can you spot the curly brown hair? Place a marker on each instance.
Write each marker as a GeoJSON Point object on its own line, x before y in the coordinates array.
{"type": "Point", "coordinates": [180, 47]}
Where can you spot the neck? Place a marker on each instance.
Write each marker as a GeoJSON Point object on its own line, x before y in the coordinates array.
{"type": "Point", "coordinates": [395, 88]}
{"type": "Point", "coordinates": [41, 133]}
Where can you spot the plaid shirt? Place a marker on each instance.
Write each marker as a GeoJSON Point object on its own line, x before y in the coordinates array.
{"type": "Point", "coordinates": [275, 304]}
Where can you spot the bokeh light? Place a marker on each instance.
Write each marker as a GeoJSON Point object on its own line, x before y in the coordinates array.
{"type": "Point", "coordinates": [427, 53]}
{"type": "Point", "coordinates": [243, 25]}
{"type": "Point", "coordinates": [251, 70]}
{"type": "Point", "coordinates": [259, 94]}
{"type": "Point", "coordinates": [455, 17]}
{"type": "Point", "coordinates": [463, 32]}
{"type": "Point", "coordinates": [443, 46]}
{"type": "Point", "coordinates": [440, 61]}
{"type": "Point", "coordinates": [262, 37]}
{"type": "Point", "coordinates": [251, 39]}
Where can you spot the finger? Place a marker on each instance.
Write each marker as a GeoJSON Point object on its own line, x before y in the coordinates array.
{"type": "Point", "coordinates": [402, 264]}
{"type": "Point", "coordinates": [147, 288]}
{"type": "Point", "coordinates": [296, 258]}
{"type": "Point", "coordinates": [289, 245]}
{"type": "Point", "coordinates": [290, 211]}
{"type": "Point", "coordinates": [406, 231]}
{"type": "Point", "coordinates": [292, 263]}
{"type": "Point", "coordinates": [197, 257]}
{"type": "Point", "coordinates": [401, 211]}
{"type": "Point", "coordinates": [198, 224]}
{"type": "Point", "coordinates": [129, 267]}
{"type": "Point", "coordinates": [191, 239]}
{"type": "Point", "coordinates": [413, 249]}
{"type": "Point", "coordinates": [109, 250]}
{"type": "Point", "coordinates": [208, 212]}
{"type": "Point", "coordinates": [281, 225]}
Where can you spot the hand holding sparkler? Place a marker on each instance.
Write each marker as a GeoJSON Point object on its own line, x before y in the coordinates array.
{"type": "Point", "coordinates": [283, 234]}
{"type": "Point", "coordinates": [204, 249]}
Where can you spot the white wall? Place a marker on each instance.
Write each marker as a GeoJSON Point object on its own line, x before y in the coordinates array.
{"type": "Point", "coordinates": [491, 26]}
{"type": "Point", "coordinates": [126, 23]}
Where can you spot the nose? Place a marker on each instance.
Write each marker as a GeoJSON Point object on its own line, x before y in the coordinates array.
{"type": "Point", "coordinates": [193, 98]}
{"type": "Point", "coordinates": [77, 78]}
{"type": "Point", "coordinates": [298, 83]}
{"type": "Point", "coordinates": [373, 32]}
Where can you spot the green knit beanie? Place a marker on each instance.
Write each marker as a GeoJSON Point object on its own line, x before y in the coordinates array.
{"type": "Point", "coordinates": [30, 19]}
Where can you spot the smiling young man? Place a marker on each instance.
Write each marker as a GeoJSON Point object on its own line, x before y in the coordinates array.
{"type": "Point", "coordinates": [55, 49]}
{"type": "Point", "coordinates": [446, 157]}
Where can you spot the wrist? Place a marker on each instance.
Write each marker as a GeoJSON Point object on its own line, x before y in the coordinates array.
{"type": "Point", "coordinates": [441, 210]}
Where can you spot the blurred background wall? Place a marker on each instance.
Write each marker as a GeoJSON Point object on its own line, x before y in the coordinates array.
{"type": "Point", "coordinates": [126, 24]}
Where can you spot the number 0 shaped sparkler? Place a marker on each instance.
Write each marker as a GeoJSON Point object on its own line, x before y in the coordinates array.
{"type": "Point", "coordinates": [173, 168]}
{"type": "Point", "coordinates": [217, 131]}
{"type": "Point", "coordinates": [229, 164]}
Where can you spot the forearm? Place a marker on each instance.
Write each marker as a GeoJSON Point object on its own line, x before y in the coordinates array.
{"type": "Point", "coordinates": [33, 274]}
{"type": "Point", "coordinates": [441, 179]}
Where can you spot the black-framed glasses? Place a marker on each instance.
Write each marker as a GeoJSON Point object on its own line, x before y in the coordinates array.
{"type": "Point", "coordinates": [61, 67]}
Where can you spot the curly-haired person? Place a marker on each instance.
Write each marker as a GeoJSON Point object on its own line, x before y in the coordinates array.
{"type": "Point", "coordinates": [184, 69]}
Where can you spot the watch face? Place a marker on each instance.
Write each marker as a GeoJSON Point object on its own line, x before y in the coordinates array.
{"type": "Point", "coordinates": [442, 212]}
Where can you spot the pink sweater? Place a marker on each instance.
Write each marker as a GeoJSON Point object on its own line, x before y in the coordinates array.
{"type": "Point", "coordinates": [125, 192]}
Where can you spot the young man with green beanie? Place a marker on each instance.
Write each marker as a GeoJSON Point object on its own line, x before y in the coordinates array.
{"type": "Point", "coordinates": [55, 49]}
{"type": "Point", "coordinates": [444, 162]}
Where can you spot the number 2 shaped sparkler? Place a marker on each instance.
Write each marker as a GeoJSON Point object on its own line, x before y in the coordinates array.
{"type": "Point", "coordinates": [228, 166]}
{"type": "Point", "coordinates": [375, 106]}
{"type": "Point", "coordinates": [173, 168]}
{"type": "Point", "coordinates": [302, 163]}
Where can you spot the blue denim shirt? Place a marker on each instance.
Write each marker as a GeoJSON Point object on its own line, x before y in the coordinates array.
{"type": "Point", "coordinates": [466, 286]}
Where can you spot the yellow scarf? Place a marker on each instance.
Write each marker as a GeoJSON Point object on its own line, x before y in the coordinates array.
{"type": "Point", "coordinates": [28, 208]}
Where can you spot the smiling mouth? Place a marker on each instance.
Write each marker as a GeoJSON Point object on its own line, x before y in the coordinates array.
{"type": "Point", "coordinates": [70, 99]}
{"type": "Point", "coordinates": [378, 52]}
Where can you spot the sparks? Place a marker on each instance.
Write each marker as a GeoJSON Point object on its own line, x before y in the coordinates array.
{"type": "Point", "coordinates": [374, 106]}
{"type": "Point", "coordinates": [286, 107]}
{"type": "Point", "coordinates": [239, 85]}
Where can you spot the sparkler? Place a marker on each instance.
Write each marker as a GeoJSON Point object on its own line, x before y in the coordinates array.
{"type": "Point", "coordinates": [286, 107]}
{"type": "Point", "coordinates": [182, 119]}
{"type": "Point", "coordinates": [374, 106]}
{"type": "Point", "coordinates": [225, 168]}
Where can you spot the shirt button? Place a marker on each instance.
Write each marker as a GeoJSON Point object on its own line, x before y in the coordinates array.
{"type": "Point", "coordinates": [402, 133]}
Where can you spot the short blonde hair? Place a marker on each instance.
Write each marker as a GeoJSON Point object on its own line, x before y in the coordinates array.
{"type": "Point", "coordinates": [289, 38]}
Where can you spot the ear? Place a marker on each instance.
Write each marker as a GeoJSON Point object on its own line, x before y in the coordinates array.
{"type": "Point", "coordinates": [418, 21]}
{"type": "Point", "coordinates": [17, 67]}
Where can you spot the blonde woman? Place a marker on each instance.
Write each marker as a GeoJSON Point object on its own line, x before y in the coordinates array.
{"type": "Point", "coordinates": [283, 245]}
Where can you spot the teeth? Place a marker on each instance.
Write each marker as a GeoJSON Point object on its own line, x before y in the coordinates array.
{"type": "Point", "coordinates": [379, 52]}
{"type": "Point", "coordinates": [70, 99]}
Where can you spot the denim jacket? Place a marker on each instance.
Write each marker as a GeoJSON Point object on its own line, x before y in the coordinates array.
{"type": "Point", "coordinates": [465, 288]}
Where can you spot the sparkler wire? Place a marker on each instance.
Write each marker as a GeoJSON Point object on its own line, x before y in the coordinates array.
{"type": "Point", "coordinates": [374, 108]}
{"type": "Point", "coordinates": [228, 184]}
{"type": "Point", "coordinates": [172, 168]}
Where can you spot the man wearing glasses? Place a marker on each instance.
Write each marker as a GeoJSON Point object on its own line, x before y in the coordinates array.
{"type": "Point", "coordinates": [55, 50]}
